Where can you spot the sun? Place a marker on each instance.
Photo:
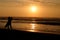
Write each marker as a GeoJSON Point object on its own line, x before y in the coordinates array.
{"type": "Point", "coordinates": [33, 8]}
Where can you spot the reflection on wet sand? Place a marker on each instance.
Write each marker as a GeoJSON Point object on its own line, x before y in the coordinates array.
{"type": "Point", "coordinates": [33, 29]}
{"type": "Point", "coordinates": [32, 26]}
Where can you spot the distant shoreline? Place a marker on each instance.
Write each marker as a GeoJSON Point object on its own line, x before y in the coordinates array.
{"type": "Point", "coordinates": [31, 18]}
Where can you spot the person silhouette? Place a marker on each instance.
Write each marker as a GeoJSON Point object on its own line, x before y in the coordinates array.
{"type": "Point", "coordinates": [8, 25]}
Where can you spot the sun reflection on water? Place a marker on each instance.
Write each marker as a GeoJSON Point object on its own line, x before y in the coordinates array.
{"type": "Point", "coordinates": [32, 26]}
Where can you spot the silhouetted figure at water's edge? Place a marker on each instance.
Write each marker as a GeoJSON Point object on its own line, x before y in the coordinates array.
{"type": "Point", "coordinates": [8, 25]}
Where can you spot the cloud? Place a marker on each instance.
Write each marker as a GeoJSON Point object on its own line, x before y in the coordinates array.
{"type": "Point", "coordinates": [26, 2]}
{"type": "Point", "coordinates": [14, 0]}
{"type": "Point", "coordinates": [48, 1]}
{"type": "Point", "coordinates": [42, 1]}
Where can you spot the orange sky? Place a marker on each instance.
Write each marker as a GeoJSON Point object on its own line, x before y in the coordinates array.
{"type": "Point", "coordinates": [22, 9]}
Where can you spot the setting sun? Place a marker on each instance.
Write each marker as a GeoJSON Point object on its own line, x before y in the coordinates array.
{"type": "Point", "coordinates": [33, 8]}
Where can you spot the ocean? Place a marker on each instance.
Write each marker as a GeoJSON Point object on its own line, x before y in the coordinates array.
{"type": "Point", "coordinates": [31, 27]}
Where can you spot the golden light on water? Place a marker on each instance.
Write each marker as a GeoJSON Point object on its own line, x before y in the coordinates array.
{"type": "Point", "coordinates": [32, 26]}
{"type": "Point", "coordinates": [32, 29]}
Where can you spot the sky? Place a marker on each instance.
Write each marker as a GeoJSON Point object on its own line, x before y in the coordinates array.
{"type": "Point", "coordinates": [21, 8]}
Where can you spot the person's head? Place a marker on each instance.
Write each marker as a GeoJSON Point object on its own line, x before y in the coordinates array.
{"type": "Point", "coordinates": [9, 17]}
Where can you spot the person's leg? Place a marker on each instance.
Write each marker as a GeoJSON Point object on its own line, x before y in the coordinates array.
{"type": "Point", "coordinates": [6, 26]}
{"type": "Point", "coordinates": [10, 26]}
